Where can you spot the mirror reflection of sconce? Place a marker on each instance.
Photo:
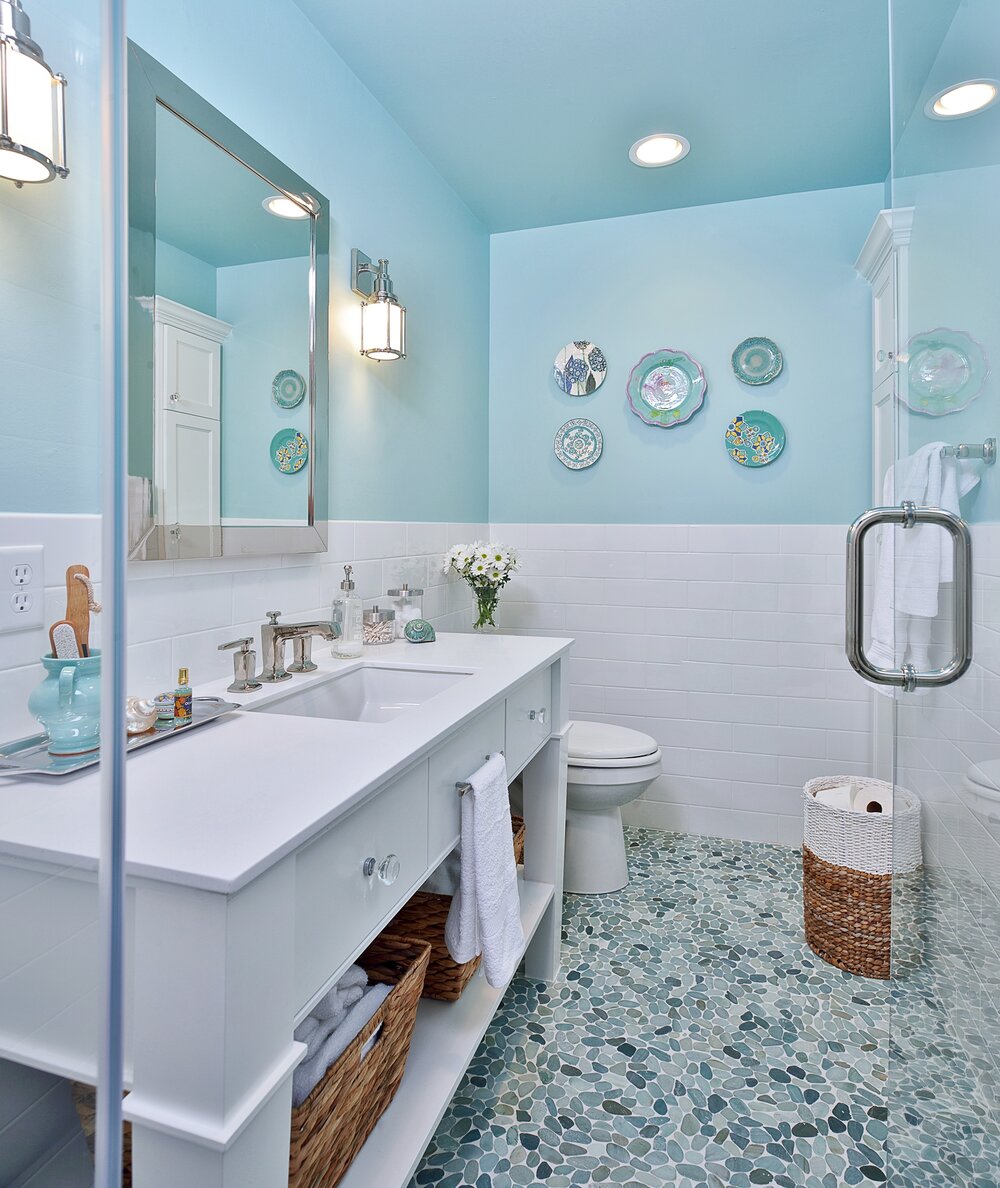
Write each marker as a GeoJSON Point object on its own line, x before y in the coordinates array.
{"type": "Point", "coordinates": [383, 319]}
{"type": "Point", "coordinates": [32, 104]}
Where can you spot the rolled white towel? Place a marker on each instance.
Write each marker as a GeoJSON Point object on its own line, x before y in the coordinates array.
{"type": "Point", "coordinates": [331, 1010]}
{"type": "Point", "coordinates": [311, 1071]}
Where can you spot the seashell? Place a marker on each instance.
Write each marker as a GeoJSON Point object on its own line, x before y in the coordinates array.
{"type": "Point", "coordinates": [419, 631]}
{"type": "Point", "coordinates": [139, 715]}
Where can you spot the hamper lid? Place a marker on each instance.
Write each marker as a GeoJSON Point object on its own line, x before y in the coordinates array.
{"type": "Point", "coordinates": [602, 740]}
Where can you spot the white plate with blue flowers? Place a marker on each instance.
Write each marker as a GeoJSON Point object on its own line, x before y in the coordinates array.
{"type": "Point", "coordinates": [580, 368]}
{"type": "Point", "coordinates": [578, 444]}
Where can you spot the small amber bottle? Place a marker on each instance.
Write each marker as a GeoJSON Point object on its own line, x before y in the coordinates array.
{"type": "Point", "coordinates": [182, 698]}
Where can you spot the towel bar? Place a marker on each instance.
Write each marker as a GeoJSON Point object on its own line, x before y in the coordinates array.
{"type": "Point", "coordinates": [464, 786]}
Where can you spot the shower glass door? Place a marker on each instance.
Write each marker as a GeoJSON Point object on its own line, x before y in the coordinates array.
{"type": "Point", "coordinates": [944, 1111]}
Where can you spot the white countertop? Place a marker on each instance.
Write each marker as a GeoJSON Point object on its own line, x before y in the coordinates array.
{"type": "Point", "coordinates": [214, 808]}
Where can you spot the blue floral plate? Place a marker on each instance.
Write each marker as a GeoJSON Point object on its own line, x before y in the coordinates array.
{"type": "Point", "coordinates": [288, 389]}
{"type": "Point", "coordinates": [946, 370]}
{"type": "Point", "coordinates": [289, 450]}
{"type": "Point", "coordinates": [580, 368]}
{"type": "Point", "coordinates": [666, 388]}
{"type": "Point", "coordinates": [755, 438]}
{"type": "Point", "coordinates": [757, 361]}
{"type": "Point", "coordinates": [578, 444]}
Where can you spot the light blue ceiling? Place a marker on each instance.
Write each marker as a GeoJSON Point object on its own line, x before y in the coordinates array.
{"type": "Point", "coordinates": [528, 107]}
{"type": "Point", "coordinates": [208, 204]}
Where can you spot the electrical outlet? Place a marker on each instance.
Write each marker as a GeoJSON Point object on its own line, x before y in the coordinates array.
{"type": "Point", "coordinates": [22, 588]}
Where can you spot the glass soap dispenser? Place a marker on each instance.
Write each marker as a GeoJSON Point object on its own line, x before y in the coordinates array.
{"type": "Point", "coordinates": [347, 614]}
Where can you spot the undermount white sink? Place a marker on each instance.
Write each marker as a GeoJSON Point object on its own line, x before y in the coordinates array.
{"type": "Point", "coordinates": [367, 694]}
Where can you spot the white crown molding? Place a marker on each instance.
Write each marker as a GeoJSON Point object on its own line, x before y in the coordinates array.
{"type": "Point", "coordinates": [172, 313]}
{"type": "Point", "coordinates": [891, 229]}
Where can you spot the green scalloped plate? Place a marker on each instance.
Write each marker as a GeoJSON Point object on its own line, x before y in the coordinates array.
{"type": "Point", "coordinates": [757, 361]}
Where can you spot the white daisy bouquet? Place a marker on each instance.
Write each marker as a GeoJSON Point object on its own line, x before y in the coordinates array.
{"type": "Point", "coordinates": [487, 567]}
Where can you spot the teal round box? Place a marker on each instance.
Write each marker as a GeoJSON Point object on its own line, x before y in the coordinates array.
{"type": "Point", "coordinates": [68, 704]}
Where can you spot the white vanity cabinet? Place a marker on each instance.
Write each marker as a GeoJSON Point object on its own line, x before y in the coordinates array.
{"type": "Point", "coordinates": [264, 853]}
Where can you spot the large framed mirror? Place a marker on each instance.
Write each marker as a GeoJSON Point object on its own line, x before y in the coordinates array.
{"type": "Point", "coordinates": [228, 334]}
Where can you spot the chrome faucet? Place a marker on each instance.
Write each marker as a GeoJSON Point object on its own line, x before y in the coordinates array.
{"type": "Point", "coordinates": [274, 636]}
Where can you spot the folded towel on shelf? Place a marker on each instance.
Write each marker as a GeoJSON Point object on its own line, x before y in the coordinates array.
{"type": "Point", "coordinates": [445, 880]}
{"type": "Point", "coordinates": [324, 1051]}
{"type": "Point", "coordinates": [914, 563]}
{"type": "Point", "coordinates": [485, 912]}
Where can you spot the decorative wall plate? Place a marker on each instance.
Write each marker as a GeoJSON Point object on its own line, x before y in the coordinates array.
{"type": "Point", "coordinates": [580, 368]}
{"type": "Point", "coordinates": [578, 444]}
{"type": "Point", "coordinates": [289, 450]}
{"type": "Point", "coordinates": [288, 389]}
{"type": "Point", "coordinates": [757, 361]}
{"type": "Point", "coordinates": [755, 438]}
{"type": "Point", "coordinates": [947, 370]}
{"type": "Point", "coordinates": [666, 388]}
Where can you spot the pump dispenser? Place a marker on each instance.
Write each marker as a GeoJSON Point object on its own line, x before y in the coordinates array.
{"type": "Point", "coordinates": [347, 614]}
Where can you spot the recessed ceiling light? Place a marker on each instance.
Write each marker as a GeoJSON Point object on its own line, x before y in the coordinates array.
{"type": "Point", "coordinates": [964, 99]}
{"type": "Point", "coordinates": [284, 208]}
{"type": "Point", "coordinates": [662, 148]}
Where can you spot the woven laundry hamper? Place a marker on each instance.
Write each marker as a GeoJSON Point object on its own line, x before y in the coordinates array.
{"type": "Point", "coordinates": [849, 862]}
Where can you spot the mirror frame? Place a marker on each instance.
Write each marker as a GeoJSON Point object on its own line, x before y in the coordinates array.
{"type": "Point", "coordinates": [150, 85]}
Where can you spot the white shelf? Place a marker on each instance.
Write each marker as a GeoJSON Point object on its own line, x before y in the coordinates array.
{"type": "Point", "coordinates": [445, 1039]}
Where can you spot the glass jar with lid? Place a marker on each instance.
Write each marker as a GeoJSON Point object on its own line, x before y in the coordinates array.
{"type": "Point", "coordinates": [379, 626]}
{"type": "Point", "coordinates": [408, 604]}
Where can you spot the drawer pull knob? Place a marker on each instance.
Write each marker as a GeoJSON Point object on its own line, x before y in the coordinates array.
{"type": "Point", "coordinates": [388, 869]}
{"type": "Point", "coordinates": [537, 716]}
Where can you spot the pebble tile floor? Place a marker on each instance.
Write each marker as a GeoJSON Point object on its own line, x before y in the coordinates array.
{"type": "Point", "coordinates": [694, 1039]}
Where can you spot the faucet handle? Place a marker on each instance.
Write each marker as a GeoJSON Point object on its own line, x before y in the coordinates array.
{"type": "Point", "coordinates": [242, 644]}
{"type": "Point", "coordinates": [272, 617]}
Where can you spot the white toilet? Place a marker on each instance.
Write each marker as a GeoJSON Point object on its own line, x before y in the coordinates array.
{"type": "Point", "coordinates": [981, 791]}
{"type": "Point", "coordinates": [608, 766]}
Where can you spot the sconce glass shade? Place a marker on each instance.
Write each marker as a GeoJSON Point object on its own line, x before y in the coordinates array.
{"type": "Point", "coordinates": [383, 329]}
{"type": "Point", "coordinates": [32, 105]}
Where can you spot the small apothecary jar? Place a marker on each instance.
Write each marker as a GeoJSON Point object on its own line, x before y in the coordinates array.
{"type": "Point", "coordinates": [378, 626]}
{"type": "Point", "coordinates": [408, 604]}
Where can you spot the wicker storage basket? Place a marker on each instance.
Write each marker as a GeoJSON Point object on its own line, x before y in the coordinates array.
{"type": "Point", "coordinates": [424, 917]}
{"type": "Point", "coordinates": [848, 862]}
{"type": "Point", "coordinates": [330, 1127]}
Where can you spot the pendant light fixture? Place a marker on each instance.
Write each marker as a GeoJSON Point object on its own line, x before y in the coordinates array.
{"type": "Point", "coordinates": [383, 319]}
{"type": "Point", "coordinates": [32, 104]}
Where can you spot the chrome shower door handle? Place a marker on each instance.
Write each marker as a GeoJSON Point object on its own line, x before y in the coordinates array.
{"type": "Point", "coordinates": [908, 515]}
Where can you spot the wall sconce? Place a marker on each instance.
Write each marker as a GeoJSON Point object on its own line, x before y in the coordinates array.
{"type": "Point", "coordinates": [32, 104]}
{"type": "Point", "coordinates": [383, 319]}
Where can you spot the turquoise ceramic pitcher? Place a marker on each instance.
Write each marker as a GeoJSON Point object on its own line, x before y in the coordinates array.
{"type": "Point", "coordinates": [68, 704]}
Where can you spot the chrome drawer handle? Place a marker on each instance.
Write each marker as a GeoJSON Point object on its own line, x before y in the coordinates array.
{"type": "Point", "coordinates": [388, 869]}
{"type": "Point", "coordinates": [537, 715]}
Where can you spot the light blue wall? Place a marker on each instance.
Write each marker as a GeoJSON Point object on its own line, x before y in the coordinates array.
{"type": "Point", "coordinates": [267, 305]}
{"type": "Point", "coordinates": [50, 444]}
{"type": "Point", "coordinates": [184, 278]}
{"type": "Point", "coordinates": [408, 439]}
{"type": "Point", "coordinates": [699, 279]}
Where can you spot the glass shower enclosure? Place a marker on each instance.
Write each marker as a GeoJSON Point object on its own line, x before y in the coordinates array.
{"type": "Point", "coordinates": [944, 418]}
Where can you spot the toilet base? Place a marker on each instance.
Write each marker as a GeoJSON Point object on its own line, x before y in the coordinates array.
{"type": "Point", "coordinates": [595, 852]}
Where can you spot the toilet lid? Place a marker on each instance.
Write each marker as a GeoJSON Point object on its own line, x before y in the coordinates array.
{"type": "Point", "coordinates": [981, 775]}
{"type": "Point", "coordinates": [601, 740]}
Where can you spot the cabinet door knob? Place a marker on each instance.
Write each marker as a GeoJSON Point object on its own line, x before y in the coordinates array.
{"type": "Point", "coordinates": [174, 397]}
{"type": "Point", "coordinates": [368, 867]}
{"type": "Point", "coordinates": [388, 869]}
{"type": "Point", "coordinates": [537, 715]}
